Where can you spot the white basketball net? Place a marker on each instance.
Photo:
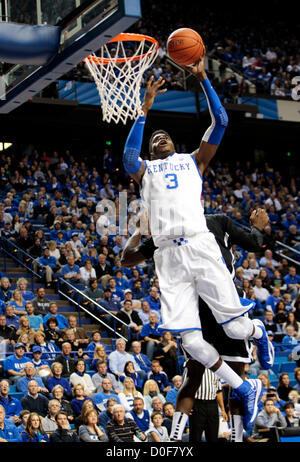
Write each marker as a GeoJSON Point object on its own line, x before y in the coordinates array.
{"type": "Point", "coordinates": [118, 83]}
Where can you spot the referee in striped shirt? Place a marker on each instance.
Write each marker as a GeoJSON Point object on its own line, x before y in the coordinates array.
{"type": "Point", "coordinates": [205, 414]}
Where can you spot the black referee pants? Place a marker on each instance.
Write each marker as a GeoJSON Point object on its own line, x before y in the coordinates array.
{"type": "Point", "coordinates": [204, 418]}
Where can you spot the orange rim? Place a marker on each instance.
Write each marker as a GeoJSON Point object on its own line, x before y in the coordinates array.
{"type": "Point", "coordinates": [125, 37]}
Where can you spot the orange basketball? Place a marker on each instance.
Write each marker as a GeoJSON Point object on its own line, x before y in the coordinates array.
{"type": "Point", "coordinates": [185, 46]}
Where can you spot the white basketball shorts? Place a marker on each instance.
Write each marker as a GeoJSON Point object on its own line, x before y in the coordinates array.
{"type": "Point", "coordinates": [190, 267]}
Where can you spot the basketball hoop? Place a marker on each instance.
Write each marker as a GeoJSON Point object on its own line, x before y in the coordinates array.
{"type": "Point", "coordinates": [118, 72]}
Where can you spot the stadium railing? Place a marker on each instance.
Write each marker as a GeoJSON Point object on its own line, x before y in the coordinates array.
{"type": "Point", "coordinates": [283, 254]}
{"type": "Point", "coordinates": [74, 295]}
{"type": "Point", "coordinates": [10, 249]}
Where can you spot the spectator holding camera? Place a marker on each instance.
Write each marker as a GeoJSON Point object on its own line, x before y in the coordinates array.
{"type": "Point", "coordinates": [271, 393]}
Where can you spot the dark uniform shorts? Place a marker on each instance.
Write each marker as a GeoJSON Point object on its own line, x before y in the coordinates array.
{"type": "Point", "coordinates": [228, 348]}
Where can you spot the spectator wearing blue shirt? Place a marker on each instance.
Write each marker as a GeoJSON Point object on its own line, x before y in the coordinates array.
{"type": "Point", "coordinates": [289, 341]}
{"type": "Point", "coordinates": [24, 414]}
{"type": "Point", "coordinates": [57, 379]}
{"type": "Point", "coordinates": [100, 399]}
{"type": "Point", "coordinates": [116, 293]}
{"type": "Point", "coordinates": [287, 300]}
{"type": "Point", "coordinates": [35, 321]}
{"type": "Point", "coordinates": [129, 371]}
{"type": "Point", "coordinates": [61, 319]}
{"type": "Point", "coordinates": [96, 340]}
{"type": "Point", "coordinates": [138, 274]}
{"type": "Point", "coordinates": [61, 238]}
{"type": "Point", "coordinates": [153, 299]}
{"type": "Point", "coordinates": [54, 232]}
{"type": "Point", "coordinates": [71, 272]}
{"type": "Point", "coordinates": [133, 273]}
{"type": "Point", "coordinates": [22, 286]}
{"type": "Point", "coordinates": [159, 376]}
{"type": "Point", "coordinates": [273, 299]}
{"type": "Point", "coordinates": [49, 349]}
{"type": "Point", "coordinates": [49, 264]}
{"type": "Point", "coordinates": [108, 161]}
{"type": "Point", "coordinates": [106, 416]}
{"type": "Point", "coordinates": [151, 334]}
{"type": "Point", "coordinates": [292, 281]}
{"type": "Point", "coordinates": [14, 364]}
{"type": "Point", "coordinates": [141, 359]}
{"type": "Point", "coordinates": [139, 414]}
{"type": "Point", "coordinates": [118, 245]}
{"type": "Point", "coordinates": [8, 431]}
{"type": "Point", "coordinates": [289, 220]}
{"type": "Point", "coordinates": [39, 364]}
{"type": "Point", "coordinates": [121, 282]}
{"type": "Point", "coordinates": [112, 305]}
{"type": "Point", "coordinates": [172, 394]}
{"type": "Point", "coordinates": [273, 217]}
{"type": "Point", "coordinates": [30, 374]}
{"type": "Point", "coordinates": [12, 406]}
{"type": "Point", "coordinates": [18, 302]}
{"type": "Point", "coordinates": [79, 399]}
{"type": "Point", "coordinates": [119, 357]}
{"type": "Point", "coordinates": [12, 320]}
{"type": "Point", "coordinates": [137, 291]}
{"type": "Point", "coordinates": [268, 256]}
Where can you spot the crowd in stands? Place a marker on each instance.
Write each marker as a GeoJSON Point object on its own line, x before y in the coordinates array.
{"type": "Point", "coordinates": [125, 390]}
{"type": "Point", "coordinates": [263, 50]}
{"type": "Point", "coordinates": [262, 47]}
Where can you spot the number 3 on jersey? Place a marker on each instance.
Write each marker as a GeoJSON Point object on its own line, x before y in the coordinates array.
{"type": "Point", "coordinates": [172, 180]}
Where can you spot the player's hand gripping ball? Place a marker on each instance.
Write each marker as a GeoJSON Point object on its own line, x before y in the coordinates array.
{"type": "Point", "coordinates": [185, 46]}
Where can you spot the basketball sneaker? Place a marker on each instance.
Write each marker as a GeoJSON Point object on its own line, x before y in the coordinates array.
{"type": "Point", "coordinates": [249, 393]}
{"type": "Point", "coordinates": [265, 349]}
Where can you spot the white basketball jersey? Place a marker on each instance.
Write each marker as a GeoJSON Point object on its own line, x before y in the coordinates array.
{"type": "Point", "coordinates": [171, 193]}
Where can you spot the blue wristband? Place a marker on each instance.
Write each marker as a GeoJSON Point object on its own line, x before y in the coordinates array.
{"type": "Point", "coordinates": [215, 132]}
{"type": "Point", "coordinates": [131, 160]}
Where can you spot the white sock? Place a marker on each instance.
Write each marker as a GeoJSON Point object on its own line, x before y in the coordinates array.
{"type": "Point", "coordinates": [237, 429]}
{"type": "Point", "coordinates": [228, 375]}
{"type": "Point", "coordinates": [178, 425]}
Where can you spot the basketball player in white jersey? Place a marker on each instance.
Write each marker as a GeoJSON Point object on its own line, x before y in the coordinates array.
{"type": "Point", "coordinates": [235, 352]}
{"type": "Point", "coordinates": [188, 260]}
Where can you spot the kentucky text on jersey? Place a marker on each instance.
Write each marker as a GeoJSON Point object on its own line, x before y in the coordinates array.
{"type": "Point", "coordinates": [166, 166]}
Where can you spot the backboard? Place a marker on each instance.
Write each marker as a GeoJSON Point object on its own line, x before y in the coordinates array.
{"type": "Point", "coordinates": [86, 25]}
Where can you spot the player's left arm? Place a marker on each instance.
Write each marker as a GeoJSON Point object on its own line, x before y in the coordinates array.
{"type": "Point", "coordinates": [219, 119]}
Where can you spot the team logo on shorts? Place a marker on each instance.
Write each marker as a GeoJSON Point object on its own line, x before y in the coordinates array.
{"type": "Point", "coordinates": [180, 241]}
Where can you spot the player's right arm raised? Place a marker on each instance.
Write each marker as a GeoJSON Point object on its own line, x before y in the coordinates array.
{"type": "Point", "coordinates": [132, 162]}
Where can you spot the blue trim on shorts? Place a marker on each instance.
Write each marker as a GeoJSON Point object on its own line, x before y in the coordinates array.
{"type": "Point", "coordinates": [252, 305]}
{"type": "Point", "coordinates": [162, 329]}
{"type": "Point", "coordinates": [196, 166]}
